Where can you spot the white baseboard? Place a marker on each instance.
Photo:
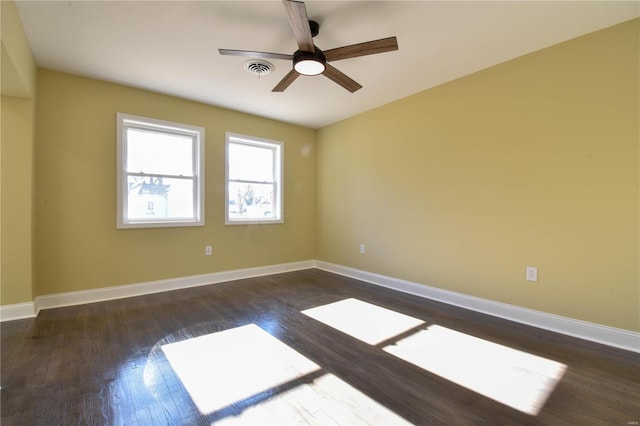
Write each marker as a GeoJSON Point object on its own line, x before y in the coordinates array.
{"type": "Point", "coordinates": [17, 311]}
{"type": "Point", "coordinates": [611, 336]}
{"type": "Point", "coordinates": [615, 337]}
{"type": "Point", "coordinates": [120, 292]}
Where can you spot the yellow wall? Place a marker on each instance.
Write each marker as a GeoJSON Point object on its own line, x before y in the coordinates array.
{"type": "Point", "coordinates": [16, 160]}
{"type": "Point", "coordinates": [16, 273]}
{"type": "Point", "coordinates": [531, 162]}
{"type": "Point", "coordinates": [77, 244]}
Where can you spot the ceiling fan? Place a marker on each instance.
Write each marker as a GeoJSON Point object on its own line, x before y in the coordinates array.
{"type": "Point", "coordinates": [308, 59]}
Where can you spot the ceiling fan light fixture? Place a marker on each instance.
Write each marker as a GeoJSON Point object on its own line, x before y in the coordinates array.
{"type": "Point", "coordinates": [309, 67]}
{"type": "Point", "coordinates": [309, 63]}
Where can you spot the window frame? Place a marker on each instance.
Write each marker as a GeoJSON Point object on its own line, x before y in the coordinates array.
{"type": "Point", "coordinates": [278, 177]}
{"type": "Point", "coordinates": [196, 133]}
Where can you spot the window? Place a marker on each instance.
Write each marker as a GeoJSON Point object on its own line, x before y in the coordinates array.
{"type": "Point", "coordinates": [254, 180]}
{"type": "Point", "coordinates": [160, 173]}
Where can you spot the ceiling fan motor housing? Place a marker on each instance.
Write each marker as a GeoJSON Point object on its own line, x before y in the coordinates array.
{"type": "Point", "coordinates": [314, 27]}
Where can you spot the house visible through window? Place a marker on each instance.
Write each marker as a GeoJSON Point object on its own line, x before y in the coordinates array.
{"type": "Point", "coordinates": [160, 173]}
{"type": "Point", "coordinates": [253, 180]}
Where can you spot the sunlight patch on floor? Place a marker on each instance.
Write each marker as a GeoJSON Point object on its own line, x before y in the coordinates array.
{"type": "Point", "coordinates": [364, 321]}
{"type": "Point", "coordinates": [518, 379]}
{"type": "Point", "coordinates": [327, 400]}
{"type": "Point", "coordinates": [222, 368]}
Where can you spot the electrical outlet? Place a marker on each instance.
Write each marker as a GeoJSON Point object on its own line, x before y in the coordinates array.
{"type": "Point", "coordinates": [532, 273]}
{"type": "Point", "coordinates": [362, 249]}
{"type": "Point", "coordinates": [208, 250]}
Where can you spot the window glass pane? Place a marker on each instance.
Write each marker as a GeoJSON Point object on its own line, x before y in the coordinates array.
{"type": "Point", "coordinates": [250, 162]}
{"type": "Point", "coordinates": [156, 198]}
{"type": "Point", "coordinates": [251, 201]}
{"type": "Point", "coordinates": [159, 153]}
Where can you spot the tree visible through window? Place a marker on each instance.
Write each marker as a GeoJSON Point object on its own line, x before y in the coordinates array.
{"type": "Point", "coordinates": [253, 180]}
{"type": "Point", "coordinates": [160, 173]}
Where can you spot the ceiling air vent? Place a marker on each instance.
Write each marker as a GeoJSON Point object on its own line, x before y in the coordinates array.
{"type": "Point", "coordinates": [258, 67]}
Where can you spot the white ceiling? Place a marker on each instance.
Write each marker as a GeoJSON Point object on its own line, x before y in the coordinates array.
{"type": "Point", "coordinates": [172, 46]}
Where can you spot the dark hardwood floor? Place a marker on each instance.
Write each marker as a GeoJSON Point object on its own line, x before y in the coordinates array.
{"type": "Point", "coordinates": [103, 363]}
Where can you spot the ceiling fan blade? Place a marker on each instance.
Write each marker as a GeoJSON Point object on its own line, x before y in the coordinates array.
{"type": "Point", "coordinates": [286, 81]}
{"type": "Point", "coordinates": [341, 78]}
{"type": "Point", "coordinates": [299, 21]}
{"type": "Point", "coordinates": [262, 55]}
{"type": "Point", "coordinates": [362, 49]}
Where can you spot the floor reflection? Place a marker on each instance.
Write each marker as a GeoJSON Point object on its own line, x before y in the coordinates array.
{"type": "Point", "coordinates": [244, 375]}
{"type": "Point", "coordinates": [221, 368]}
{"type": "Point", "coordinates": [370, 323]}
{"type": "Point", "coordinates": [326, 400]}
{"type": "Point", "coordinates": [518, 379]}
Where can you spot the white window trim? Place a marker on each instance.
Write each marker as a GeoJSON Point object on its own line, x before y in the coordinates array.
{"type": "Point", "coordinates": [278, 178]}
{"type": "Point", "coordinates": [127, 120]}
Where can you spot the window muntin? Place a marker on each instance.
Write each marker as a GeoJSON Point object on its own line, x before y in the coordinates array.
{"type": "Point", "coordinates": [160, 173]}
{"type": "Point", "coordinates": [253, 180]}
